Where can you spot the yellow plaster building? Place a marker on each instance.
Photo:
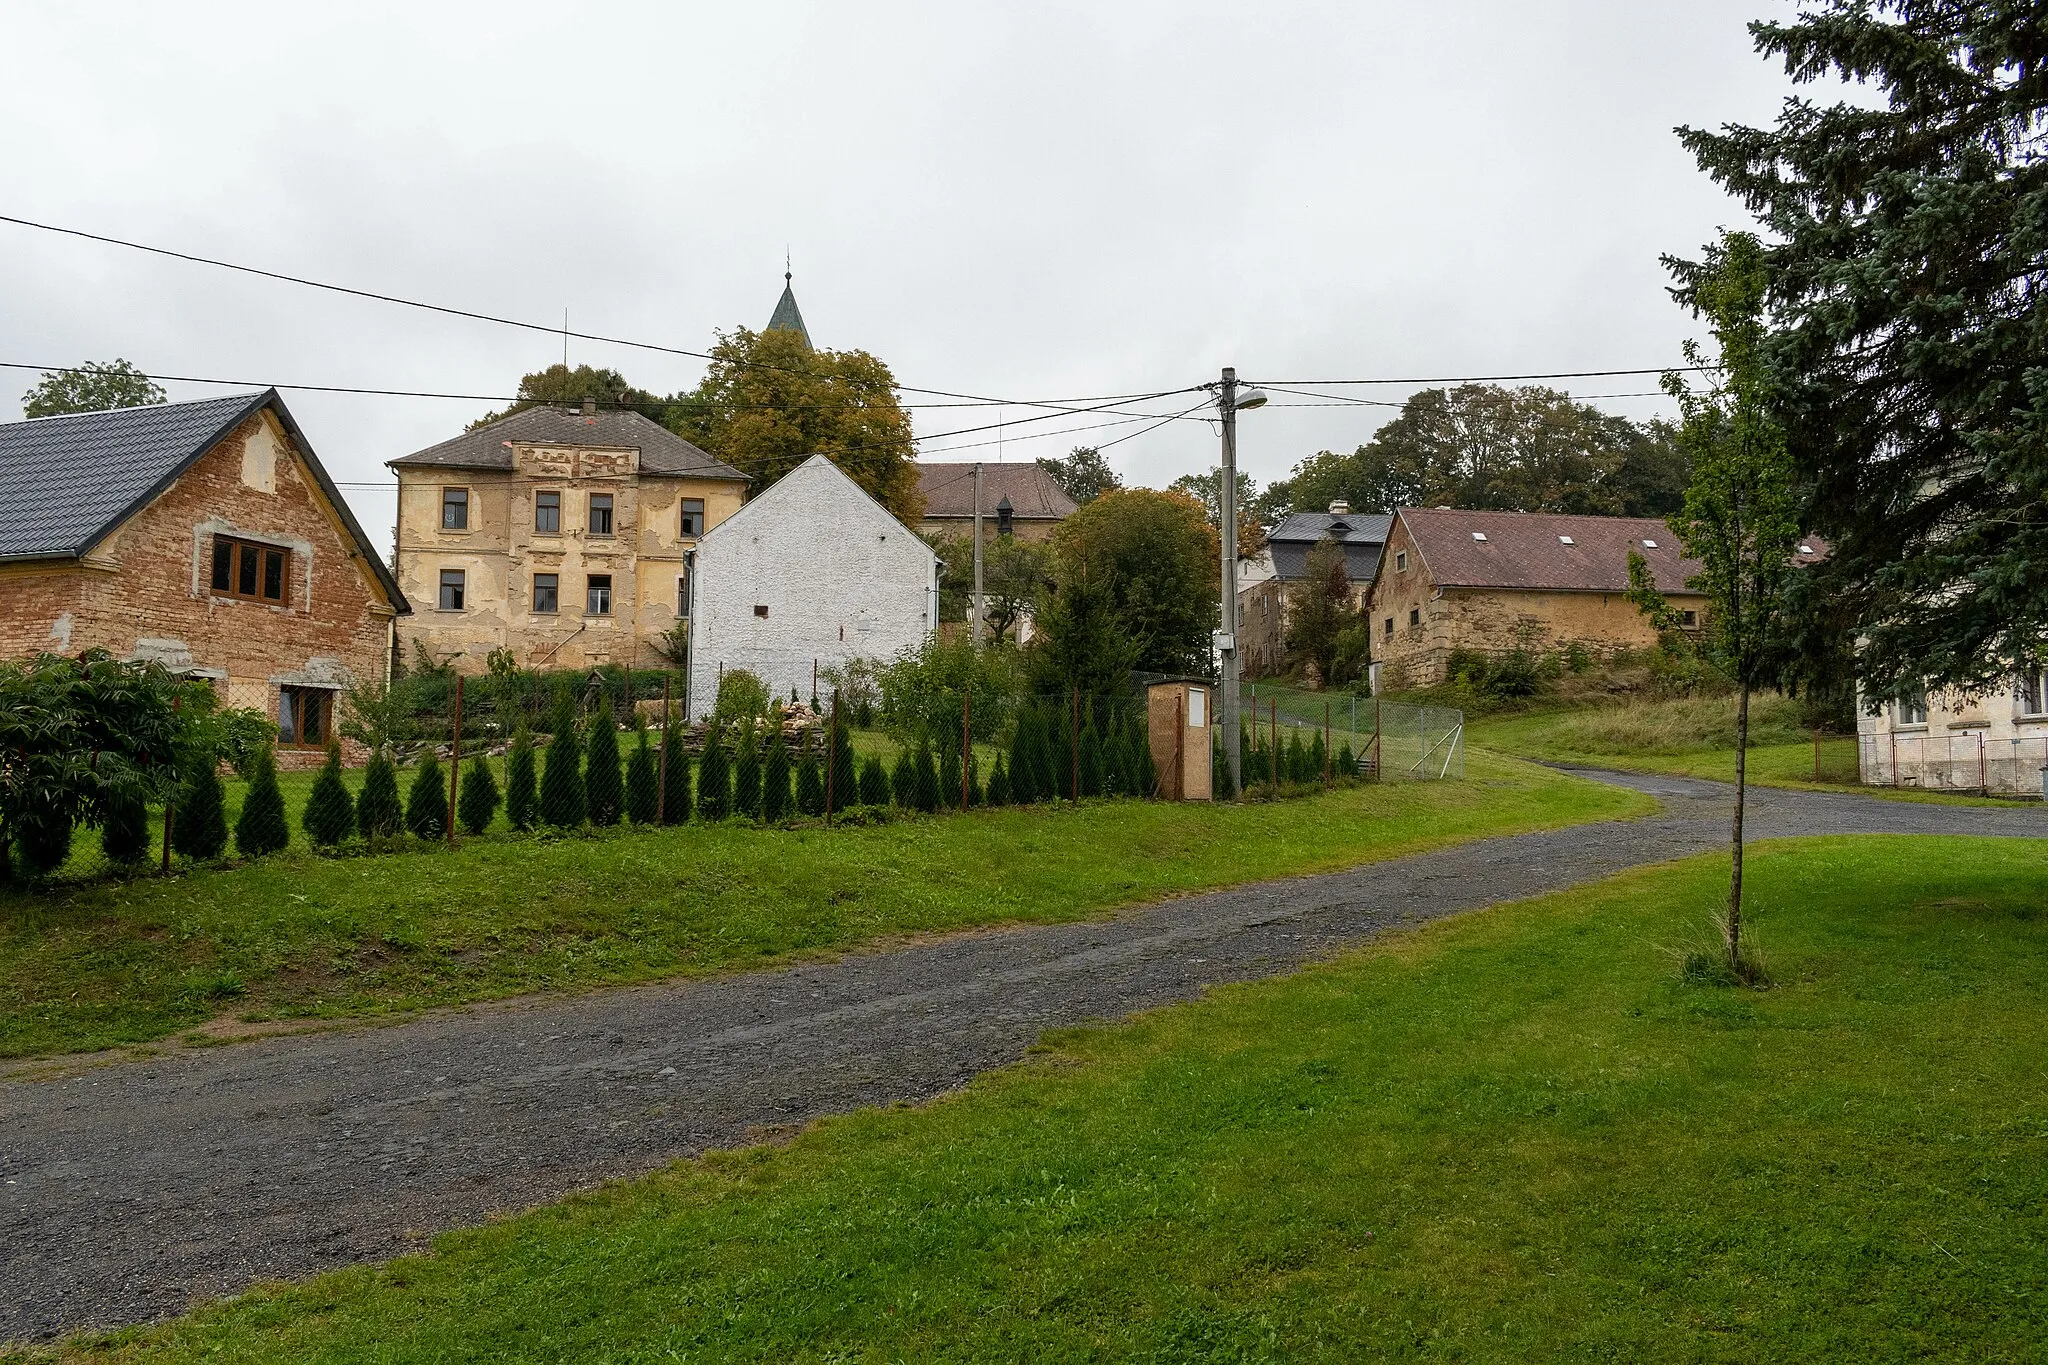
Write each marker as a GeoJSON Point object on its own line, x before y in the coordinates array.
{"type": "Point", "coordinates": [563, 535]}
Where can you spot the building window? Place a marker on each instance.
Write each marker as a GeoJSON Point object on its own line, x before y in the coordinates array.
{"type": "Point", "coordinates": [597, 597]}
{"type": "Point", "coordinates": [1390, 627]}
{"type": "Point", "coordinates": [600, 514]}
{"type": "Point", "coordinates": [1415, 616]}
{"type": "Point", "coordinates": [1400, 561]}
{"type": "Point", "coordinates": [452, 584]}
{"type": "Point", "coordinates": [455, 509]}
{"type": "Point", "coordinates": [2034, 692]}
{"type": "Point", "coordinates": [683, 594]}
{"type": "Point", "coordinates": [547, 592]}
{"type": "Point", "coordinates": [1688, 618]}
{"type": "Point", "coordinates": [693, 517]}
{"type": "Point", "coordinates": [258, 573]}
{"type": "Point", "coordinates": [761, 610]}
{"type": "Point", "coordinates": [1911, 710]}
{"type": "Point", "coordinates": [302, 716]}
{"type": "Point", "coordinates": [547, 513]}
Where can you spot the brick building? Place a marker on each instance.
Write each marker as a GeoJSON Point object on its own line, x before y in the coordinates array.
{"type": "Point", "coordinates": [565, 535]}
{"type": "Point", "coordinates": [205, 536]}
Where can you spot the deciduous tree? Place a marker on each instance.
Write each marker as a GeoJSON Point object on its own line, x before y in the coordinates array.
{"type": "Point", "coordinates": [92, 387]}
{"type": "Point", "coordinates": [1155, 557]}
{"type": "Point", "coordinates": [1082, 472]}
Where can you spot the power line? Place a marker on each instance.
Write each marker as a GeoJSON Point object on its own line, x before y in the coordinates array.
{"type": "Point", "coordinates": [493, 318]}
{"type": "Point", "coordinates": [1493, 378]}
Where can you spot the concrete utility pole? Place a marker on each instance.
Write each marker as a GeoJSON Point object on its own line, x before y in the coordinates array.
{"type": "Point", "coordinates": [974, 631]}
{"type": "Point", "coordinates": [1226, 638]}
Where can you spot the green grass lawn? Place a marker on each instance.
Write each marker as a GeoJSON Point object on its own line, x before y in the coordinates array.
{"type": "Point", "coordinates": [111, 962]}
{"type": "Point", "coordinates": [1515, 1135]}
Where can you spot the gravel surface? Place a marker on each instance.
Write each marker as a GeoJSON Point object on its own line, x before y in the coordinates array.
{"type": "Point", "coordinates": [131, 1190]}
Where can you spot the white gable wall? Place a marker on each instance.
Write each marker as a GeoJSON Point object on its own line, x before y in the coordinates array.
{"type": "Point", "coordinates": [841, 579]}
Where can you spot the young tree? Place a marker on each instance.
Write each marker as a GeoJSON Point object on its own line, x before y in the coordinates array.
{"type": "Point", "coordinates": [775, 779]}
{"type": "Point", "coordinates": [522, 799]}
{"type": "Point", "coordinates": [999, 793]}
{"type": "Point", "coordinates": [1024, 756]}
{"type": "Point", "coordinates": [330, 814]}
{"type": "Point", "coordinates": [378, 813]}
{"type": "Point", "coordinates": [643, 787]}
{"type": "Point", "coordinates": [1091, 759]}
{"type": "Point", "coordinates": [949, 776]}
{"type": "Point", "coordinates": [1741, 518]}
{"type": "Point", "coordinates": [562, 800]}
{"type": "Point", "coordinates": [200, 827]}
{"type": "Point", "coordinates": [426, 804]}
{"type": "Point", "coordinates": [262, 827]}
{"type": "Point", "coordinates": [925, 789]}
{"type": "Point", "coordinates": [604, 794]}
{"type": "Point", "coordinates": [810, 782]}
{"type": "Point", "coordinates": [1322, 611]}
{"type": "Point", "coordinates": [714, 777]}
{"type": "Point", "coordinates": [903, 780]}
{"type": "Point", "coordinates": [124, 830]}
{"type": "Point", "coordinates": [92, 387]}
{"type": "Point", "coordinates": [1144, 772]}
{"type": "Point", "coordinates": [844, 781]}
{"type": "Point", "coordinates": [1155, 554]}
{"type": "Point", "coordinates": [477, 805]}
{"type": "Point", "coordinates": [746, 775]}
{"type": "Point", "coordinates": [874, 783]}
{"type": "Point", "coordinates": [675, 803]}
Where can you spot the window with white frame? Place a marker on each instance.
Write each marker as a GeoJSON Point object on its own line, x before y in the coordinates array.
{"type": "Point", "coordinates": [2034, 691]}
{"type": "Point", "coordinates": [1910, 710]}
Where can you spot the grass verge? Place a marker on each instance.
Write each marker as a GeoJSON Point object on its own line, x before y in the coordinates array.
{"type": "Point", "coordinates": [300, 935]}
{"type": "Point", "coordinates": [1517, 1135]}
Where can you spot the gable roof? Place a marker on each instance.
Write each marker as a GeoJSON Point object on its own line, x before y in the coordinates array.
{"type": "Point", "coordinates": [787, 317]}
{"type": "Point", "coordinates": [1529, 550]}
{"type": "Point", "coordinates": [948, 491]}
{"type": "Point", "coordinates": [490, 447]}
{"type": "Point", "coordinates": [815, 466]}
{"type": "Point", "coordinates": [71, 480]}
{"type": "Point", "coordinates": [1360, 533]}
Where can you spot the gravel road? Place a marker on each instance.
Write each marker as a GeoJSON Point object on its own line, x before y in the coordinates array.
{"type": "Point", "coordinates": [133, 1189]}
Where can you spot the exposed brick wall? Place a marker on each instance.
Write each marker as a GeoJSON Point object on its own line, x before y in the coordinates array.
{"type": "Point", "coordinates": [144, 591]}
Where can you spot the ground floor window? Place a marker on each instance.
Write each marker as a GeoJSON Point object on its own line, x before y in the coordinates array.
{"type": "Point", "coordinates": [303, 714]}
{"type": "Point", "coordinates": [2034, 692]}
{"type": "Point", "coordinates": [1910, 710]}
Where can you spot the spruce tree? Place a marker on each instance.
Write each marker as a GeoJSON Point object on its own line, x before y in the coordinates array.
{"type": "Point", "coordinates": [604, 794]}
{"type": "Point", "coordinates": [643, 784]}
{"type": "Point", "coordinates": [925, 795]}
{"type": "Point", "coordinates": [810, 782]}
{"type": "Point", "coordinates": [378, 813]}
{"type": "Point", "coordinates": [561, 775]}
{"type": "Point", "coordinates": [124, 831]}
{"type": "Point", "coordinates": [746, 776]}
{"type": "Point", "coordinates": [714, 777]}
{"type": "Point", "coordinates": [200, 827]}
{"type": "Point", "coordinates": [999, 784]}
{"type": "Point", "coordinates": [1144, 772]}
{"type": "Point", "coordinates": [775, 780]}
{"type": "Point", "coordinates": [522, 799]}
{"type": "Point", "coordinates": [330, 814]}
{"type": "Point", "coordinates": [477, 805]}
{"type": "Point", "coordinates": [675, 801]}
{"type": "Point", "coordinates": [1091, 760]}
{"type": "Point", "coordinates": [1023, 766]}
{"type": "Point", "coordinates": [903, 780]}
{"type": "Point", "coordinates": [1347, 763]}
{"type": "Point", "coordinates": [262, 827]}
{"type": "Point", "coordinates": [874, 783]}
{"type": "Point", "coordinates": [426, 805]}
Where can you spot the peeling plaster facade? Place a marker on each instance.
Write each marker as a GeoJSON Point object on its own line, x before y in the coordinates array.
{"type": "Point", "coordinates": [1994, 742]}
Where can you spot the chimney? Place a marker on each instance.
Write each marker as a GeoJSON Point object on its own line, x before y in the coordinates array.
{"type": "Point", "coordinates": [590, 407]}
{"type": "Point", "coordinates": [1340, 508]}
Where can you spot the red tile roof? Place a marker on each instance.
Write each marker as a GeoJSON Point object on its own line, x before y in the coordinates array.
{"type": "Point", "coordinates": [948, 491]}
{"type": "Point", "coordinates": [1549, 550]}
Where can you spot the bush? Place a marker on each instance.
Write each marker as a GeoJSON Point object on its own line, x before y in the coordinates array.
{"type": "Point", "coordinates": [240, 735]}
{"type": "Point", "coordinates": [562, 799]}
{"type": "Point", "coordinates": [522, 799]}
{"type": "Point", "coordinates": [124, 829]}
{"type": "Point", "coordinates": [949, 777]}
{"type": "Point", "coordinates": [477, 805]}
{"type": "Point", "coordinates": [199, 828]}
{"type": "Point", "coordinates": [714, 778]}
{"type": "Point", "coordinates": [330, 814]}
{"type": "Point", "coordinates": [1144, 772]}
{"type": "Point", "coordinates": [426, 805]}
{"type": "Point", "coordinates": [378, 815]}
{"type": "Point", "coordinates": [810, 783]}
{"type": "Point", "coordinates": [775, 779]}
{"type": "Point", "coordinates": [922, 690]}
{"type": "Point", "coordinates": [675, 801]}
{"type": "Point", "coordinates": [1091, 760]}
{"type": "Point", "coordinates": [604, 795]}
{"type": "Point", "coordinates": [262, 827]}
{"type": "Point", "coordinates": [873, 787]}
{"type": "Point", "coordinates": [925, 780]}
{"type": "Point", "coordinates": [643, 787]}
{"type": "Point", "coordinates": [903, 780]}
{"type": "Point", "coordinates": [1024, 757]}
{"type": "Point", "coordinates": [1347, 762]}
{"type": "Point", "coordinates": [742, 696]}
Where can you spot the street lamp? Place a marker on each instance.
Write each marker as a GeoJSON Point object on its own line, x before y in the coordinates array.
{"type": "Point", "coordinates": [1231, 400]}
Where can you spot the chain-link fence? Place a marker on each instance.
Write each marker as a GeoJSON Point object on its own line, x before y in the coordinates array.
{"type": "Point", "coordinates": [1955, 761]}
{"type": "Point", "coordinates": [1389, 741]}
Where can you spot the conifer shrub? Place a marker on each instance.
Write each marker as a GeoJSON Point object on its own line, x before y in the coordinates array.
{"type": "Point", "coordinates": [1317, 754]}
{"type": "Point", "coordinates": [846, 774]}
{"type": "Point", "coordinates": [1060, 751]}
{"type": "Point", "coordinates": [522, 797]}
{"type": "Point", "coordinates": [949, 777]}
{"type": "Point", "coordinates": [999, 783]}
{"type": "Point", "coordinates": [675, 801]}
{"type": "Point", "coordinates": [1091, 760]}
{"type": "Point", "coordinates": [124, 831]}
{"type": "Point", "coordinates": [746, 776]}
{"type": "Point", "coordinates": [643, 786]}
{"type": "Point", "coordinates": [378, 814]}
{"type": "Point", "coordinates": [262, 827]}
{"type": "Point", "coordinates": [1023, 766]}
{"type": "Point", "coordinates": [925, 793]}
{"type": "Point", "coordinates": [975, 795]}
{"type": "Point", "coordinates": [1219, 771]}
{"type": "Point", "coordinates": [714, 777]}
{"type": "Point", "coordinates": [810, 782]}
{"type": "Point", "coordinates": [426, 804]}
{"type": "Point", "coordinates": [604, 794]}
{"type": "Point", "coordinates": [1144, 773]}
{"type": "Point", "coordinates": [873, 789]}
{"type": "Point", "coordinates": [775, 779]}
{"type": "Point", "coordinates": [1050, 780]}
{"type": "Point", "coordinates": [477, 804]}
{"type": "Point", "coordinates": [1347, 762]}
{"type": "Point", "coordinates": [199, 829]}
{"type": "Point", "coordinates": [45, 845]}
{"type": "Point", "coordinates": [562, 800]}
{"type": "Point", "coordinates": [1296, 761]}
{"type": "Point", "coordinates": [330, 814]}
{"type": "Point", "coordinates": [903, 780]}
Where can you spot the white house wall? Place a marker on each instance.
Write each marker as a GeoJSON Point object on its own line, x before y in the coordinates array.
{"type": "Point", "coordinates": [1995, 742]}
{"type": "Point", "coordinates": [839, 577]}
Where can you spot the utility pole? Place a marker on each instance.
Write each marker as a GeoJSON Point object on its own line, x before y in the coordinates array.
{"type": "Point", "coordinates": [1226, 641]}
{"type": "Point", "coordinates": [974, 631]}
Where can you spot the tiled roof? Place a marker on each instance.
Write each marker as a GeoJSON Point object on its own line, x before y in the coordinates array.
{"type": "Point", "coordinates": [490, 447]}
{"type": "Point", "coordinates": [1547, 550]}
{"type": "Point", "coordinates": [948, 491]}
{"type": "Point", "coordinates": [70, 480]}
{"type": "Point", "coordinates": [1360, 533]}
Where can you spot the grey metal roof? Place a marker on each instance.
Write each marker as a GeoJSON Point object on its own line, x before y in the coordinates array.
{"type": "Point", "coordinates": [787, 317]}
{"type": "Point", "coordinates": [71, 480]}
{"type": "Point", "coordinates": [1362, 534]}
{"type": "Point", "coordinates": [490, 447]}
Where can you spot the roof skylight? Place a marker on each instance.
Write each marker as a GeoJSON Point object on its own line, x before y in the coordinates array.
{"type": "Point", "coordinates": [1479, 535]}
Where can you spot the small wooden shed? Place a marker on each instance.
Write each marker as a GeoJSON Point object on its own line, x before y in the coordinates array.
{"type": "Point", "coordinates": [1179, 713]}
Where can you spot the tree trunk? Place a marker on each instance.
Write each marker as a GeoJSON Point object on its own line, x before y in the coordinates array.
{"type": "Point", "coordinates": [1734, 921]}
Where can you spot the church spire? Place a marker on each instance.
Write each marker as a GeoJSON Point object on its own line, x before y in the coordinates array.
{"type": "Point", "coordinates": [788, 318]}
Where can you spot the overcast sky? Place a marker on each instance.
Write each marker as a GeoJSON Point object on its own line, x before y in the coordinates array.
{"type": "Point", "coordinates": [1028, 202]}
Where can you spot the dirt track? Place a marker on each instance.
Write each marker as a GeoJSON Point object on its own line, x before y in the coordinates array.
{"type": "Point", "coordinates": [130, 1190]}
